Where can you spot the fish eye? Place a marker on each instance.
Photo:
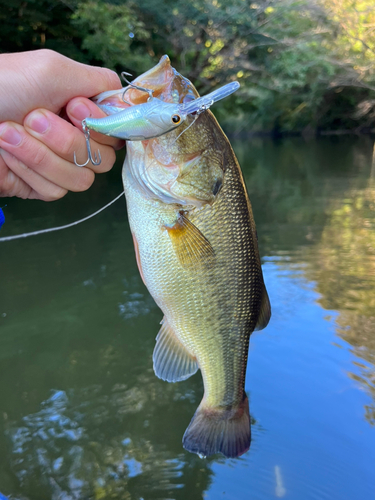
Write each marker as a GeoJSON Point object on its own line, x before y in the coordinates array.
{"type": "Point", "coordinates": [176, 119]}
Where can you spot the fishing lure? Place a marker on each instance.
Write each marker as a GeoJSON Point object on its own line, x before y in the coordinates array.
{"type": "Point", "coordinates": [148, 120]}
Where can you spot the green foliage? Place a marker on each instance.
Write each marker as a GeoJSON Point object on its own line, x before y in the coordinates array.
{"type": "Point", "coordinates": [34, 24]}
{"type": "Point", "coordinates": [108, 32]}
{"type": "Point", "coordinates": [300, 62]}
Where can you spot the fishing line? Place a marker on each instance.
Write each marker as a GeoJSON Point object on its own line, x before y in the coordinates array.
{"type": "Point", "coordinates": [34, 233]}
{"type": "Point", "coordinates": [187, 128]}
{"type": "Point", "coordinates": [66, 226]}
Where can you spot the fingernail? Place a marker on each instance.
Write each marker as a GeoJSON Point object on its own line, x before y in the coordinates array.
{"type": "Point", "coordinates": [38, 122]}
{"type": "Point", "coordinates": [10, 134]}
{"type": "Point", "coordinates": [80, 111]}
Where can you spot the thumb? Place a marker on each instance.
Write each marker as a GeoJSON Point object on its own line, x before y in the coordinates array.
{"type": "Point", "coordinates": [77, 79]}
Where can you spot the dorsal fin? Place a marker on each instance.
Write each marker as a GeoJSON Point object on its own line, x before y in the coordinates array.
{"type": "Point", "coordinates": [172, 362]}
{"type": "Point", "coordinates": [265, 311]}
{"type": "Point", "coordinates": [190, 245]}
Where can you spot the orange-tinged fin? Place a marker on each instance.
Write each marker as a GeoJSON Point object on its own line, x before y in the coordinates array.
{"type": "Point", "coordinates": [265, 311]}
{"type": "Point", "coordinates": [219, 430]}
{"type": "Point", "coordinates": [190, 245]}
{"type": "Point", "coordinates": [172, 362]}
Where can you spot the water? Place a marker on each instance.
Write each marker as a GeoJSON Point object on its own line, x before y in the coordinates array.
{"type": "Point", "coordinates": [82, 415]}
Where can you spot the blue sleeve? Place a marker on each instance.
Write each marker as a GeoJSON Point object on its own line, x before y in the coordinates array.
{"type": "Point", "coordinates": [2, 220]}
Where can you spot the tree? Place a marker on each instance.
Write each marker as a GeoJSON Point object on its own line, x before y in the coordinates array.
{"type": "Point", "coordinates": [112, 34]}
{"type": "Point", "coordinates": [300, 62]}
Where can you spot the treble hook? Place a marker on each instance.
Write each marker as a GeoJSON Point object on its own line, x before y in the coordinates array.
{"type": "Point", "coordinates": [149, 91]}
{"type": "Point", "coordinates": [97, 159]}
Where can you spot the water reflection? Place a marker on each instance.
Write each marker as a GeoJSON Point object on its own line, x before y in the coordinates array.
{"type": "Point", "coordinates": [82, 415]}
{"type": "Point", "coordinates": [344, 270]}
{"type": "Point", "coordinates": [65, 451]}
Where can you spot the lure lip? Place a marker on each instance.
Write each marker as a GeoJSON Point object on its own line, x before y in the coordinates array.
{"type": "Point", "coordinates": [205, 102]}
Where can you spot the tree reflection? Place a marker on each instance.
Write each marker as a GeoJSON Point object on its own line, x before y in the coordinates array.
{"type": "Point", "coordinates": [95, 444]}
{"type": "Point", "coordinates": [75, 448]}
{"type": "Point", "coordinates": [344, 269]}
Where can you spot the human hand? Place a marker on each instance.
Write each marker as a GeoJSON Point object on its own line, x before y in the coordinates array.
{"type": "Point", "coordinates": [37, 145]}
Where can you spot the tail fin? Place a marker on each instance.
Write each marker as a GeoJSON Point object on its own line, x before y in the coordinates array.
{"type": "Point", "coordinates": [214, 430]}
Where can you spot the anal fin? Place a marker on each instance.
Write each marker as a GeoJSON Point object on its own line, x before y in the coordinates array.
{"type": "Point", "coordinates": [189, 243]}
{"type": "Point", "coordinates": [265, 311]}
{"type": "Point", "coordinates": [172, 362]}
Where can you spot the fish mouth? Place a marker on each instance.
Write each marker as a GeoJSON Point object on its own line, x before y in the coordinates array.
{"type": "Point", "coordinates": [165, 82]}
{"type": "Point", "coordinates": [158, 79]}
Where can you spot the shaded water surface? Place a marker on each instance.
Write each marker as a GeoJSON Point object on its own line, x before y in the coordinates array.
{"type": "Point", "coordinates": [82, 415]}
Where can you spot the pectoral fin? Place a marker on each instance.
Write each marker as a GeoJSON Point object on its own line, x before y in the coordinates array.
{"type": "Point", "coordinates": [191, 246]}
{"type": "Point", "coordinates": [265, 311]}
{"type": "Point", "coordinates": [172, 362]}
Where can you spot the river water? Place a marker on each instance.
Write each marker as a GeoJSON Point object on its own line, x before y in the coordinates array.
{"type": "Point", "coordinates": [82, 415]}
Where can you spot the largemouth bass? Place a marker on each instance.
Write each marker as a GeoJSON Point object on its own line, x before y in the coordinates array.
{"type": "Point", "coordinates": [197, 253]}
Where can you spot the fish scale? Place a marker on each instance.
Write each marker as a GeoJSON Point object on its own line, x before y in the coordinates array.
{"type": "Point", "coordinates": [243, 273]}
